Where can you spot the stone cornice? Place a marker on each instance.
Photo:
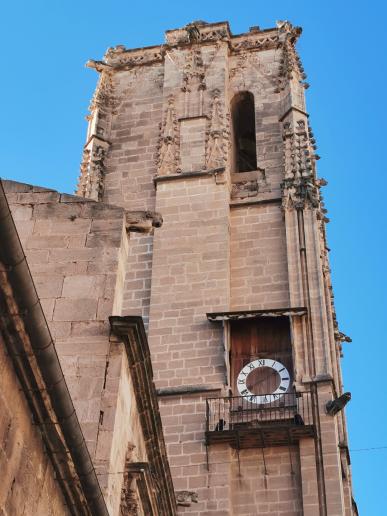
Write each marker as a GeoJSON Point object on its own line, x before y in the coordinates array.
{"type": "Point", "coordinates": [120, 58]}
{"type": "Point", "coordinates": [186, 389]}
{"type": "Point", "coordinates": [130, 329]}
{"type": "Point", "coordinates": [252, 314]}
{"type": "Point", "coordinates": [249, 202]}
{"type": "Point", "coordinates": [187, 175]}
{"type": "Point", "coordinates": [31, 348]}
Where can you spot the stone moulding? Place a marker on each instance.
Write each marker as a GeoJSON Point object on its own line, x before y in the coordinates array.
{"type": "Point", "coordinates": [131, 331]}
{"type": "Point", "coordinates": [187, 175]}
{"type": "Point", "coordinates": [186, 389]}
{"type": "Point", "coordinates": [138, 473]}
{"type": "Point", "coordinates": [119, 58]}
{"type": "Point", "coordinates": [248, 314]}
{"type": "Point", "coordinates": [249, 201]}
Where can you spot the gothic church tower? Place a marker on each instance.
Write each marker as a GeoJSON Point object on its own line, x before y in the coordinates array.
{"type": "Point", "coordinates": [210, 130]}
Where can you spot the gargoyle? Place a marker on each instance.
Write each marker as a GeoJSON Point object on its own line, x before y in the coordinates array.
{"type": "Point", "coordinates": [143, 221]}
{"type": "Point", "coordinates": [99, 66]}
{"type": "Point", "coordinates": [334, 406]}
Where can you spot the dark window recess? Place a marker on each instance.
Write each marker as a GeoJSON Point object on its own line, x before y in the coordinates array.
{"type": "Point", "coordinates": [264, 337]}
{"type": "Point", "coordinates": [243, 123]}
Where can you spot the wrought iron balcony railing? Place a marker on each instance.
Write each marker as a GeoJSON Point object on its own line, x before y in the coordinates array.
{"type": "Point", "coordinates": [267, 420]}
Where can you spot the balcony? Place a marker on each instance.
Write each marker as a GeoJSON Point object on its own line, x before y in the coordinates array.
{"type": "Point", "coordinates": [259, 421]}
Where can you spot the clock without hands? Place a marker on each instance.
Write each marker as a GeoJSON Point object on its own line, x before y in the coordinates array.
{"type": "Point", "coordinates": [279, 368]}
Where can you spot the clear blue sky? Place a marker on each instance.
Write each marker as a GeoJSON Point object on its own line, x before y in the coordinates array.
{"type": "Point", "coordinates": [45, 94]}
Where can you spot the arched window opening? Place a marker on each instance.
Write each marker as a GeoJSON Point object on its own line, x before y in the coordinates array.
{"type": "Point", "coordinates": [243, 124]}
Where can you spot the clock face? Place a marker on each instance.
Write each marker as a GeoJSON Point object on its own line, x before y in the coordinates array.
{"type": "Point", "coordinates": [277, 369]}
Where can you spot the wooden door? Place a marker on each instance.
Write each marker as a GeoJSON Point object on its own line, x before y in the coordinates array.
{"type": "Point", "coordinates": [263, 337]}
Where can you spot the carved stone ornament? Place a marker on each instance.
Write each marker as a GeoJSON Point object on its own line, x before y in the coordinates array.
{"type": "Point", "coordinates": [186, 498]}
{"type": "Point", "coordinates": [197, 31]}
{"type": "Point", "coordinates": [104, 98]}
{"type": "Point", "coordinates": [217, 135]}
{"type": "Point", "coordinates": [169, 144]}
{"type": "Point", "coordinates": [254, 43]}
{"type": "Point", "coordinates": [120, 58]}
{"type": "Point", "coordinates": [193, 72]}
{"type": "Point", "coordinates": [143, 221]}
{"type": "Point", "coordinates": [299, 187]}
{"type": "Point", "coordinates": [91, 180]}
{"type": "Point", "coordinates": [290, 64]}
{"type": "Point", "coordinates": [129, 500]}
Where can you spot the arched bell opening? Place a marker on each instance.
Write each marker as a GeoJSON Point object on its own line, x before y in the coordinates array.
{"type": "Point", "coordinates": [243, 129]}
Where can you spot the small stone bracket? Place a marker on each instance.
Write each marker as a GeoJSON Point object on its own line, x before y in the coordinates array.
{"type": "Point", "coordinates": [142, 221]}
{"type": "Point", "coordinates": [186, 498]}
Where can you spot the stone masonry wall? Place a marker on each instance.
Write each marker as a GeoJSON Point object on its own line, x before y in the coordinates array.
{"type": "Point", "coordinates": [78, 252]}
{"type": "Point", "coordinates": [223, 243]}
{"type": "Point", "coordinates": [130, 168]}
{"type": "Point", "coordinates": [189, 278]}
{"type": "Point", "coordinates": [120, 429]}
{"type": "Point", "coordinates": [259, 276]}
{"type": "Point", "coordinates": [226, 486]}
{"type": "Point", "coordinates": [28, 484]}
{"type": "Point", "coordinates": [275, 490]}
{"type": "Point", "coordinates": [131, 162]}
{"type": "Point", "coordinates": [257, 72]}
{"type": "Point", "coordinates": [72, 248]}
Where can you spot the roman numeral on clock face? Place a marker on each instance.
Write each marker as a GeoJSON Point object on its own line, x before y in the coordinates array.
{"type": "Point", "coordinates": [263, 398]}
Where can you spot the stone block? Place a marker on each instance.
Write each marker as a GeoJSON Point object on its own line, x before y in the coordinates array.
{"type": "Point", "coordinates": [48, 285]}
{"type": "Point", "coordinates": [75, 309]}
{"type": "Point", "coordinates": [83, 285]}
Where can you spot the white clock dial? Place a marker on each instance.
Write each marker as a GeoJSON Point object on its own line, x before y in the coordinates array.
{"type": "Point", "coordinates": [279, 368]}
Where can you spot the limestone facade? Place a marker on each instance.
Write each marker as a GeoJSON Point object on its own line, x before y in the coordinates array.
{"type": "Point", "coordinates": [28, 475]}
{"type": "Point", "coordinates": [198, 211]}
{"type": "Point", "coordinates": [77, 253]}
{"type": "Point", "coordinates": [241, 241]}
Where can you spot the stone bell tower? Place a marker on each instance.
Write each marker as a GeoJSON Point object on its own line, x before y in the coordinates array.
{"type": "Point", "coordinates": [210, 129]}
